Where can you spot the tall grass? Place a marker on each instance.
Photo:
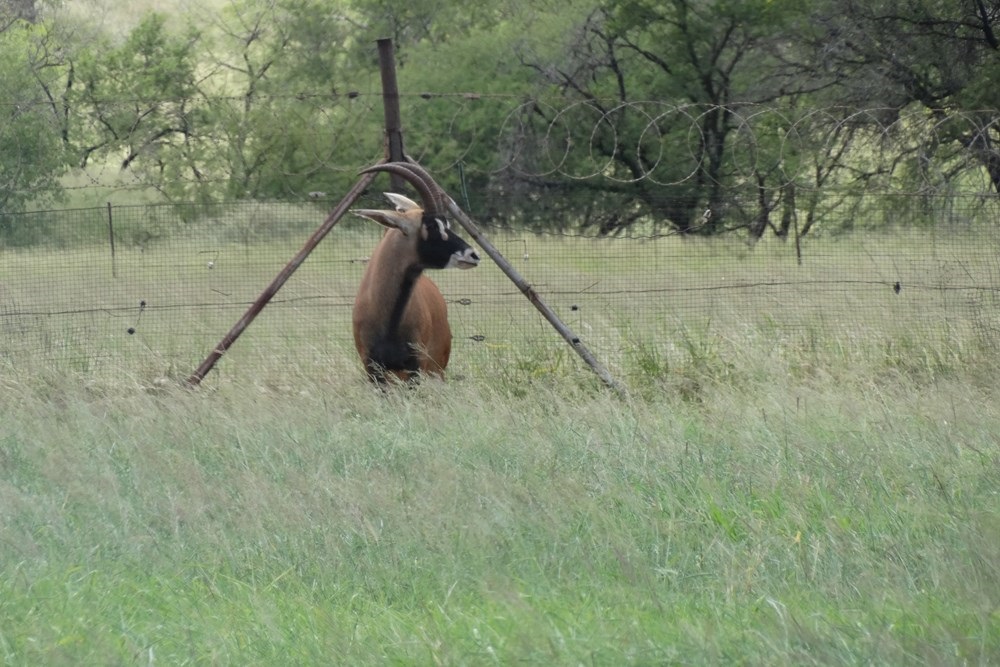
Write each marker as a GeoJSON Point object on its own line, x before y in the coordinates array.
{"type": "Point", "coordinates": [776, 521]}
{"type": "Point", "coordinates": [817, 494]}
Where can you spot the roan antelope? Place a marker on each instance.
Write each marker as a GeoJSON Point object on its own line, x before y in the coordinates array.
{"type": "Point", "coordinates": [400, 317]}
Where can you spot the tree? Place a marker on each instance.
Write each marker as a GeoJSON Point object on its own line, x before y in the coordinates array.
{"type": "Point", "coordinates": [279, 99]}
{"type": "Point", "coordinates": [943, 57]}
{"type": "Point", "coordinates": [456, 98]}
{"type": "Point", "coordinates": [421, 22]}
{"type": "Point", "coordinates": [34, 156]}
{"type": "Point", "coordinates": [656, 85]}
{"type": "Point", "coordinates": [248, 104]}
{"type": "Point", "coordinates": [12, 11]}
{"type": "Point", "coordinates": [138, 100]}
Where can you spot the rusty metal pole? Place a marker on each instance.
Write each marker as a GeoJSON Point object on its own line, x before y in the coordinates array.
{"type": "Point", "coordinates": [528, 291]}
{"type": "Point", "coordinates": [390, 106]}
{"type": "Point", "coordinates": [394, 152]}
{"type": "Point", "coordinates": [335, 215]}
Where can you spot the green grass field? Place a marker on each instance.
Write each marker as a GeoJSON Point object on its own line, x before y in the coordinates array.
{"type": "Point", "coordinates": [820, 493]}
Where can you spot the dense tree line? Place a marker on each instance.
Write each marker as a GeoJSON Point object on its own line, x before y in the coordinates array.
{"type": "Point", "coordinates": [691, 115]}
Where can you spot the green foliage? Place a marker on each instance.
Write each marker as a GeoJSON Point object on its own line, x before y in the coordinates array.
{"type": "Point", "coordinates": [137, 95]}
{"type": "Point", "coordinates": [33, 157]}
{"type": "Point", "coordinates": [601, 115]}
{"type": "Point", "coordinates": [935, 56]}
{"type": "Point", "coordinates": [652, 77]}
{"type": "Point", "coordinates": [274, 125]}
{"type": "Point", "coordinates": [427, 22]}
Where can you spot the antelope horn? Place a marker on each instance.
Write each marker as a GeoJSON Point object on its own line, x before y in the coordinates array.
{"type": "Point", "coordinates": [418, 178]}
{"type": "Point", "coordinates": [439, 193]}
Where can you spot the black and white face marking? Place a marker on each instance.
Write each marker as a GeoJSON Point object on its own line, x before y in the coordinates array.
{"type": "Point", "coordinates": [443, 228]}
{"type": "Point", "coordinates": [439, 248]}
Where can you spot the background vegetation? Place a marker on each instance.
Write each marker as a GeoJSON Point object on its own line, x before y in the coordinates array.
{"type": "Point", "coordinates": [604, 114]}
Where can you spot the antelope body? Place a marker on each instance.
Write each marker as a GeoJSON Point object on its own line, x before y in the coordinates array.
{"type": "Point", "coordinates": [400, 317]}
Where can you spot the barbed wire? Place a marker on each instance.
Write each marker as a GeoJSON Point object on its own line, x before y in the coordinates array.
{"type": "Point", "coordinates": [785, 145]}
{"type": "Point", "coordinates": [646, 142]}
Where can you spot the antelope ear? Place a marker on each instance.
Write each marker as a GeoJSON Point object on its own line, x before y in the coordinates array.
{"type": "Point", "coordinates": [402, 204]}
{"type": "Point", "coordinates": [390, 219]}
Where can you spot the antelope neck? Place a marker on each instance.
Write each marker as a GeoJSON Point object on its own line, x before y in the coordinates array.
{"type": "Point", "coordinates": [409, 279]}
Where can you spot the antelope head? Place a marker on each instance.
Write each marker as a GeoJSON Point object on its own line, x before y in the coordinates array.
{"type": "Point", "coordinates": [433, 244]}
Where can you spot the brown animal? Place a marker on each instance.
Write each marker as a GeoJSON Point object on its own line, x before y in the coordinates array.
{"type": "Point", "coordinates": [400, 317]}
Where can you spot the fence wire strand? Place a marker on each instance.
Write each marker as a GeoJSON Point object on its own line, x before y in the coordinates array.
{"type": "Point", "coordinates": [170, 289]}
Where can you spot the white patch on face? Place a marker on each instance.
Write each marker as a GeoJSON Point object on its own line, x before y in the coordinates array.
{"type": "Point", "coordinates": [443, 228]}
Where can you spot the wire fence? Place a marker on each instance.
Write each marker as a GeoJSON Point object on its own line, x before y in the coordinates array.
{"type": "Point", "coordinates": [310, 141]}
{"type": "Point", "coordinates": [153, 288]}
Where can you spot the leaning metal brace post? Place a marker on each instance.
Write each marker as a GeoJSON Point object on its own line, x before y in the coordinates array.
{"type": "Point", "coordinates": [335, 215]}
{"type": "Point", "coordinates": [574, 341]}
{"type": "Point", "coordinates": [394, 151]}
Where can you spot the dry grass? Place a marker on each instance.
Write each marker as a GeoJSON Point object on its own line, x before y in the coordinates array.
{"type": "Point", "coordinates": [780, 524]}
{"type": "Point", "coordinates": [816, 494]}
